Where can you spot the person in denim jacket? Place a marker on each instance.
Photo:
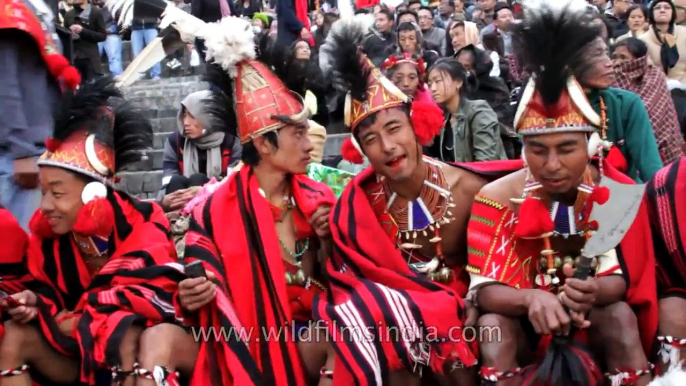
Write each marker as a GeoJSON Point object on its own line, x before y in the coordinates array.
{"type": "Point", "coordinates": [471, 132]}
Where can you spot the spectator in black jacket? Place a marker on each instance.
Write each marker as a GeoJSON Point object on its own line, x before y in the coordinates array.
{"type": "Point", "coordinates": [87, 26]}
{"type": "Point", "coordinates": [376, 45]}
{"type": "Point", "coordinates": [208, 11]}
{"type": "Point", "coordinates": [248, 8]}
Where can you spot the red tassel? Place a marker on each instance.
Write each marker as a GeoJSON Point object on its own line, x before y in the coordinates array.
{"type": "Point", "coordinates": [40, 227]}
{"type": "Point", "coordinates": [427, 121]}
{"type": "Point", "coordinates": [52, 144]}
{"type": "Point", "coordinates": [534, 219]}
{"type": "Point", "coordinates": [616, 159]}
{"type": "Point", "coordinates": [96, 218]}
{"type": "Point", "coordinates": [350, 152]}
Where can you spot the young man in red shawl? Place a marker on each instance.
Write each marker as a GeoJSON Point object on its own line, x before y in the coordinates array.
{"type": "Point", "coordinates": [13, 274]}
{"type": "Point", "coordinates": [399, 231]}
{"type": "Point", "coordinates": [667, 209]}
{"type": "Point", "coordinates": [527, 229]}
{"type": "Point", "coordinates": [97, 255]}
{"type": "Point", "coordinates": [257, 236]}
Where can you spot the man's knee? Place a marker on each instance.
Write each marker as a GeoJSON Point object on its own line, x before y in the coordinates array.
{"type": "Point", "coordinates": [130, 342]}
{"type": "Point", "coordinates": [673, 317]}
{"type": "Point", "coordinates": [617, 322]}
{"type": "Point", "coordinates": [157, 342]}
{"type": "Point", "coordinates": [19, 339]}
{"type": "Point", "coordinates": [507, 334]}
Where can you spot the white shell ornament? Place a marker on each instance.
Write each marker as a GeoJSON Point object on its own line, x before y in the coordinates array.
{"type": "Point", "coordinates": [92, 191]}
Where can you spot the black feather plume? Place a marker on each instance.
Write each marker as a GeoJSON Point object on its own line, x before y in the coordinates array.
{"type": "Point", "coordinates": [349, 71]}
{"type": "Point", "coordinates": [220, 105]}
{"type": "Point", "coordinates": [130, 135]}
{"type": "Point", "coordinates": [550, 39]}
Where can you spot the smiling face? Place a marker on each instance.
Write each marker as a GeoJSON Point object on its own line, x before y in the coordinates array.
{"type": "Point", "coordinates": [293, 153]}
{"type": "Point", "coordinates": [390, 145]}
{"type": "Point", "coordinates": [61, 201]}
{"type": "Point", "coordinates": [557, 161]}
{"type": "Point", "coordinates": [406, 77]}
{"type": "Point", "coordinates": [597, 71]}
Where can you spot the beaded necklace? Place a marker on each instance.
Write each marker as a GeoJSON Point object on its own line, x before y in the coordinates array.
{"type": "Point", "coordinates": [423, 215]}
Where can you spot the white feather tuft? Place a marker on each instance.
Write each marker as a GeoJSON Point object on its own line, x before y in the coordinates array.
{"type": "Point", "coordinates": [556, 6]}
{"type": "Point", "coordinates": [674, 377]}
{"type": "Point", "coordinates": [122, 10]}
{"type": "Point", "coordinates": [229, 42]}
{"type": "Point", "coordinates": [189, 26]}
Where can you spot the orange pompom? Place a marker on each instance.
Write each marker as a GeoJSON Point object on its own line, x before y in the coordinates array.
{"type": "Point", "coordinates": [39, 225]}
{"type": "Point", "coordinates": [350, 152]}
{"type": "Point", "coordinates": [616, 159]}
{"type": "Point", "coordinates": [427, 120]}
{"type": "Point", "coordinates": [534, 219]}
{"type": "Point", "coordinates": [96, 218]}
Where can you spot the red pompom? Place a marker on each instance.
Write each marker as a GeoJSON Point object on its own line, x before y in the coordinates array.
{"type": "Point", "coordinates": [534, 219]}
{"type": "Point", "coordinates": [350, 152]}
{"type": "Point", "coordinates": [40, 227]}
{"type": "Point", "coordinates": [600, 195]}
{"type": "Point", "coordinates": [52, 144]}
{"type": "Point", "coordinates": [96, 218]}
{"type": "Point", "coordinates": [427, 120]}
{"type": "Point", "coordinates": [616, 159]}
{"type": "Point", "coordinates": [60, 68]}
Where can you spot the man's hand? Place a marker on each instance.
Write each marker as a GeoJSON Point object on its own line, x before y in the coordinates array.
{"type": "Point", "coordinates": [75, 28]}
{"type": "Point", "coordinates": [579, 296]}
{"type": "Point", "coordinates": [304, 33]}
{"type": "Point", "coordinates": [178, 199]}
{"type": "Point", "coordinates": [197, 292]}
{"type": "Point", "coordinates": [26, 173]}
{"type": "Point", "coordinates": [320, 221]}
{"type": "Point", "coordinates": [27, 311]}
{"type": "Point", "coordinates": [546, 313]}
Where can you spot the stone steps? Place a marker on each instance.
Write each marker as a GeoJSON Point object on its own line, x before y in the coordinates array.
{"type": "Point", "coordinates": [161, 100]}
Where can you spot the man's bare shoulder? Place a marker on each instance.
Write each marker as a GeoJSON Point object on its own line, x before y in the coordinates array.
{"type": "Point", "coordinates": [463, 182]}
{"type": "Point", "coordinates": [505, 188]}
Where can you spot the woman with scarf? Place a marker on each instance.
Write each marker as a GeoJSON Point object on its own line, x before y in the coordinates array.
{"type": "Point", "coordinates": [462, 34]}
{"type": "Point", "coordinates": [634, 73]}
{"type": "Point", "coordinates": [197, 152]}
{"type": "Point", "coordinates": [666, 41]}
{"type": "Point", "coordinates": [408, 73]}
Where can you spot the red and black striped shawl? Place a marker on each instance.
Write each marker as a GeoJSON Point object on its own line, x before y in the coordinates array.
{"type": "Point", "coordinates": [234, 234]}
{"type": "Point", "coordinates": [374, 291]}
{"type": "Point", "coordinates": [667, 209]}
{"type": "Point", "coordinates": [136, 284]}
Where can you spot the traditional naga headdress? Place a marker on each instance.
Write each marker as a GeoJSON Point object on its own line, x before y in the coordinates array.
{"type": "Point", "coordinates": [367, 90]}
{"type": "Point", "coordinates": [96, 135]}
{"type": "Point", "coordinates": [405, 57]}
{"type": "Point", "coordinates": [254, 99]}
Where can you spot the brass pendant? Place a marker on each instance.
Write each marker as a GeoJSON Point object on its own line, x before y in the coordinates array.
{"type": "Point", "coordinates": [289, 278]}
{"type": "Point", "coordinates": [300, 278]}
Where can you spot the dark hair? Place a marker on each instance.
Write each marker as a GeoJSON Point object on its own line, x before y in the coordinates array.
{"type": "Point", "coordinates": [499, 7]}
{"type": "Point", "coordinates": [635, 7]}
{"type": "Point", "coordinates": [387, 12]}
{"type": "Point", "coordinates": [608, 26]}
{"type": "Point", "coordinates": [406, 26]}
{"type": "Point", "coordinates": [636, 47]}
{"type": "Point", "coordinates": [362, 11]}
{"type": "Point", "coordinates": [425, 8]}
{"type": "Point", "coordinates": [449, 51]}
{"type": "Point", "coordinates": [455, 70]}
{"type": "Point", "coordinates": [250, 156]}
{"type": "Point", "coordinates": [411, 12]}
{"type": "Point", "coordinates": [412, 2]}
{"type": "Point", "coordinates": [451, 3]}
